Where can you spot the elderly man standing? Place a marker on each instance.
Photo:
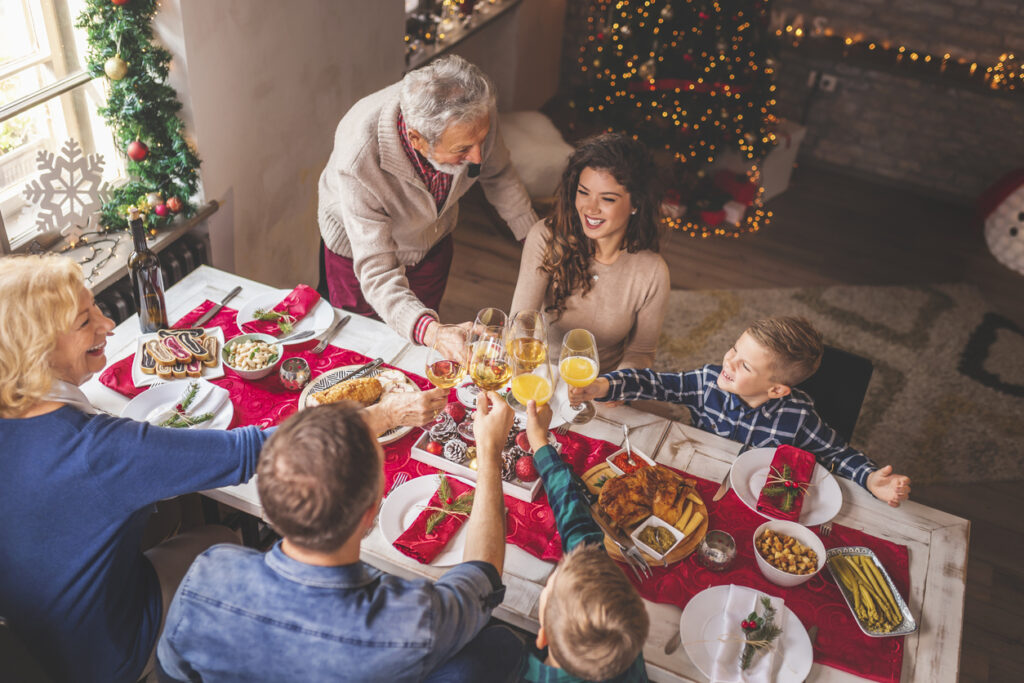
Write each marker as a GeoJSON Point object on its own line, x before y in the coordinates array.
{"type": "Point", "coordinates": [389, 195]}
{"type": "Point", "coordinates": [309, 609]}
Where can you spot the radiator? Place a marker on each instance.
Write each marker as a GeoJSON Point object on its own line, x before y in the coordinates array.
{"type": "Point", "coordinates": [187, 253]}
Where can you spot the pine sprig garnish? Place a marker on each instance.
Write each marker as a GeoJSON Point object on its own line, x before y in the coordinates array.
{"type": "Point", "coordinates": [782, 484]}
{"type": "Point", "coordinates": [449, 505]}
{"type": "Point", "coordinates": [285, 322]}
{"type": "Point", "coordinates": [179, 417]}
{"type": "Point", "coordinates": [760, 632]}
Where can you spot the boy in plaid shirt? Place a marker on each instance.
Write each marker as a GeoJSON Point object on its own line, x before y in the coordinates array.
{"type": "Point", "coordinates": [751, 398]}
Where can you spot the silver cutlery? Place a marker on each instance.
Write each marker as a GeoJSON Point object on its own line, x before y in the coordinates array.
{"type": "Point", "coordinates": [399, 480]}
{"type": "Point", "coordinates": [825, 529]}
{"type": "Point", "coordinates": [292, 338]}
{"type": "Point", "coordinates": [629, 450]}
{"type": "Point", "coordinates": [362, 370]}
{"type": "Point", "coordinates": [205, 318]}
{"type": "Point", "coordinates": [634, 560]}
{"type": "Point", "coordinates": [673, 644]}
{"type": "Point", "coordinates": [723, 488]}
{"type": "Point", "coordinates": [325, 339]}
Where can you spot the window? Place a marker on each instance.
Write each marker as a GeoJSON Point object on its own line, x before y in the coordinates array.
{"type": "Point", "coordinates": [46, 97]}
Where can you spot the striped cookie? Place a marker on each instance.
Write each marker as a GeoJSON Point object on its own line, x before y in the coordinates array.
{"type": "Point", "coordinates": [160, 353]}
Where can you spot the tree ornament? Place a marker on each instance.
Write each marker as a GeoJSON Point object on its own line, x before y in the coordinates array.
{"type": "Point", "coordinates": [1001, 208]}
{"type": "Point", "coordinates": [625, 31]}
{"type": "Point", "coordinates": [154, 198]}
{"type": "Point", "coordinates": [69, 189]}
{"type": "Point", "coordinates": [647, 69]}
{"type": "Point", "coordinates": [119, 2]}
{"type": "Point", "coordinates": [115, 68]}
{"type": "Point", "coordinates": [174, 204]}
{"type": "Point", "coordinates": [160, 210]}
{"type": "Point", "coordinates": [137, 150]}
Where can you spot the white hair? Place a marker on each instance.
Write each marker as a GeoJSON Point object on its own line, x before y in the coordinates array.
{"type": "Point", "coordinates": [446, 91]}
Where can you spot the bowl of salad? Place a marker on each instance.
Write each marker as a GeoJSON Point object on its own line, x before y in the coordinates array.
{"type": "Point", "coordinates": [252, 356]}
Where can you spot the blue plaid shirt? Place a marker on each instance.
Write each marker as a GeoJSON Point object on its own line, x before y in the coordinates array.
{"type": "Point", "coordinates": [790, 420]}
{"type": "Point", "coordinates": [575, 526]}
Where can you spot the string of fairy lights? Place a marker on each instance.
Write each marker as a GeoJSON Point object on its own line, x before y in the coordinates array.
{"type": "Point", "coordinates": [691, 79]}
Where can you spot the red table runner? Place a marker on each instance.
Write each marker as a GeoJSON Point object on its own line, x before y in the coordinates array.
{"type": "Point", "coordinates": [531, 525]}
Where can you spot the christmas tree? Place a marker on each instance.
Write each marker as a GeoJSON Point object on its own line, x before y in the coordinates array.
{"type": "Point", "coordinates": [693, 78]}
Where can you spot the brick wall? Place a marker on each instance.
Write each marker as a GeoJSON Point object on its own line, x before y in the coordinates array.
{"type": "Point", "coordinates": [931, 135]}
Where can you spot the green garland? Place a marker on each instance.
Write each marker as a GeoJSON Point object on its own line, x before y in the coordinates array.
{"type": "Point", "coordinates": [140, 106]}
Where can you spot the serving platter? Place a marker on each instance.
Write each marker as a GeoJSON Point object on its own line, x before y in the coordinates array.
{"type": "Point", "coordinates": [595, 478]}
{"type": "Point", "coordinates": [336, 375]}
{"type": "Point", "coordinates": [907, 626]}
{"type": "Point", "coordinates": [142, 379]}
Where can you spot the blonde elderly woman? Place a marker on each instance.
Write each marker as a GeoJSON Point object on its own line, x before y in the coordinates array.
{"type": "Point", "coordinates": [78, 486]}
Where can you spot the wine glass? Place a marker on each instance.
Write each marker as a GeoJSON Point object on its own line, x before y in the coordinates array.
{"type": "Point", "coordinates": [444, 369]}
{"type": "Point", "coordinates": [532, 381]}
{"type": "Point", "coordinates": [489, 325]}
{"type": "Point", "coordinates": [578, 366]}
{"type": "Point", "coordinates": [489, 366]}
{"type": "Point", "coordinates": [527, 342]}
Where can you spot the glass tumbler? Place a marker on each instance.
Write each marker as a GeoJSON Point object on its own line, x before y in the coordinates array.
{"type": "Point", "coordinates": [717, 550]}
{"type": "Point", "coordinates": [294, 373]}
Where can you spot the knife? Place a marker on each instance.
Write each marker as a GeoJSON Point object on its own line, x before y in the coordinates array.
{"type": "Point", "coordinates": [216, 309]}
{"type": "Point", "coordinates": [359, 372]}
{"type": "Point", "coordinates": [723, 489]}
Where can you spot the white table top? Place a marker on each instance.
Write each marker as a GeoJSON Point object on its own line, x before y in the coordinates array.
{"type": "Point", "coordinates": [937, 541]}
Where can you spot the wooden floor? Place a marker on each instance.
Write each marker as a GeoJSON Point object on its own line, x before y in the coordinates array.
{"type": "Point", "coordinates": [832, 229]}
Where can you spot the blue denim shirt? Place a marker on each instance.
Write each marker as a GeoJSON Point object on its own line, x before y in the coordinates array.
{"type": "Point", "coordinates": [242, 615]}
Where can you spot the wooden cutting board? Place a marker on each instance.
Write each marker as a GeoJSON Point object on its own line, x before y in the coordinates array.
{"type": "Point", "coordinates": [595, 477]}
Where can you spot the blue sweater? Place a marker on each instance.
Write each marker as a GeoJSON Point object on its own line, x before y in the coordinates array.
{"type": "Point", "coordinates": [75, 493]}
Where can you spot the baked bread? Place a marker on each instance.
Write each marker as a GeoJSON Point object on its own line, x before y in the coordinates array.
{"type": "Point", "coordinates": [633, 497]}
{"type": "Point", "coordinates": [365, 390]}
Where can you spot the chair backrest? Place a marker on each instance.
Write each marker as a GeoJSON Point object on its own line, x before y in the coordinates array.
{"type": "Point", "coordinates": [838, 388]}
{"type": "Point", "coordinates": [16, 662]}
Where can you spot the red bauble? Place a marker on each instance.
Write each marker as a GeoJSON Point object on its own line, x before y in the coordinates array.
{"type": "Point", "coordinates": [175, 205]}
{"type": "Point", "coordinates": [523, 441]}
{"type": "Point", "coordinates": [525, 469]}
{"type": "Point", "coordinates": [435, 447]}
{"type": "Point", "coordinates": [456, 410]}
{"type": "Point", "coordinates": [137, 150]}
{"type": "Point", "coordinates": [160, 210]}
{"type": "Point", "coordinates": [119, 2]}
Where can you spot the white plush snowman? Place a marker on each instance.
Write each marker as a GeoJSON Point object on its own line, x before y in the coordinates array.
{"type": "Point", "coordinates": [1001, 207]}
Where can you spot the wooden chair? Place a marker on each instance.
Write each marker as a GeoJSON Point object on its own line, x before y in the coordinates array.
{"type": "Point", "coordinates": [838, 388]}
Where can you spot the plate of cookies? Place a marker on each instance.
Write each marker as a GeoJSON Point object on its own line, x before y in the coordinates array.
{"type": "Point", "coordinates": [332, 387]}
{"type": "Point", "coordinates": [168, 355]}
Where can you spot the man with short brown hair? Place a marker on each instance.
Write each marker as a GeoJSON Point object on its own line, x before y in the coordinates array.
{"type": "Point", "coordinates": [309, 609]}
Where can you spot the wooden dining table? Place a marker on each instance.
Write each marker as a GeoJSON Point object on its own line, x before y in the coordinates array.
{"type": "Point", "coordinates": [937, 541]}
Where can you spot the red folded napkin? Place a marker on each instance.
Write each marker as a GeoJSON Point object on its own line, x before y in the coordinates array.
{"type": "Point", "coordinates": [295, 306]}
{"type": "Point", "coordinates": [788, 476]}
{"type": "Point", "coordinates": [423, 547]}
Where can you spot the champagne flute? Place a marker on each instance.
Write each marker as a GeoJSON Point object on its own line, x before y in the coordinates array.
{"type": "Point", "coordinates": [527, 347]}
{"type": "Point", "coordinates": [490, 367]}
{"type": "Point", "coordinates": [444, 370]}
{"type": "Point", "coordinates": [578, 366]}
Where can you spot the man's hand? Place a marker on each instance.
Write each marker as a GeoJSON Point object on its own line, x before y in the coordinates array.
{"type": "Point", "coordinates": [405, 409]}
{"type": "Point", "coordinates": [449, 340]}
{"type": "Point", "coordinates": [596, 389]}
{"type": "Point", "coordinates": [888, 487]}
{"type": "Point", "coordinates": [491, 425]}
{"type": "Point", "coordinates": [538, 420]}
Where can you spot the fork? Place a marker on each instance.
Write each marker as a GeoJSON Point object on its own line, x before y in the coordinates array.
{"type": "Point", "coordinates": [629, 449]}
{"type": "Point", "coordinates": [825, 529]}
{"type": "Point", "coordinates": [399, 480]}
{"type": "Point", "coordinates": [635, 560]}
{"type": "Point", "coordinates": [562, 429]}
{"type": "Point", "coordinates": [335, 326]}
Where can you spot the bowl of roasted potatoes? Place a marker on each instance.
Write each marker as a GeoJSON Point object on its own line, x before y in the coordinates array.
{"type": "Point", "coordinates": [787, 553]}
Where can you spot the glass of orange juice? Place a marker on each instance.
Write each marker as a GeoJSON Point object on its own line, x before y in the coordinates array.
{"type": "Point", "coordinates": [527, 343]}
{"type": "Point", "coordinates": [532, 381]}
{"type": "Point", "coordinates": [578, 366]}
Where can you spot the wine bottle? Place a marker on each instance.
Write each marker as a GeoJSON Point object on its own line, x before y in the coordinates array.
{"type": "Point", "coordinates": [147, 279]}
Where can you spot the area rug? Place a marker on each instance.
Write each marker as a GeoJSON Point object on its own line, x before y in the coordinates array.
{"type": "Point", "coordinates": [946, 401]}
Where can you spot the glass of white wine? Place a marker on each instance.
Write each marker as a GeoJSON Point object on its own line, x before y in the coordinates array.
{"type": "Point", "coordinates": [488, 328]}
{"type": "Point", "coordinates": [578, 366]}
{"type": "Point", "coordinates": [443, 369]}
{"type": "Point", "coordinates": [527, 342]}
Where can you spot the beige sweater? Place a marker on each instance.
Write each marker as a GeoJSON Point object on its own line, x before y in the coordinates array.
{"type": "Point", "coordinates": [375, 209]}
{"type": "Point", "coordinates": [624, 311]}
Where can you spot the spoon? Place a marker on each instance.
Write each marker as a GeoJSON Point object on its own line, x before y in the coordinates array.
{"type": "Point", "coordinates": [629, 450]}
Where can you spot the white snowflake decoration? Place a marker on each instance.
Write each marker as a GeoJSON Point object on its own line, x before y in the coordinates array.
{"type": "Point", "coordinates": [70, 189]}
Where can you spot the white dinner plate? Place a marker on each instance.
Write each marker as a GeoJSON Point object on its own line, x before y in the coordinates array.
{"type": "Point", "coordinates": [318, 320]}
{"type": "Point", "coordinates": [750, 472]}
{"type": "Point", "coordinates": [334, 375]}
{"type": "Point", "coordinates": [165, 396]}
{"type": "Point", "coordinates": [403, 506]}
{"type": "Point", "coordinates": [141, 379]}
{"type": "Point", "coordinates": [703, 621]}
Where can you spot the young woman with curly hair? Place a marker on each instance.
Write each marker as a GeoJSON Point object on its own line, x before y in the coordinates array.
{"type": "Point", "coordinates": [594, 262]}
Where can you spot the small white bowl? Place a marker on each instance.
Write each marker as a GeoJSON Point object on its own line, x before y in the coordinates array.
{"type": "Point", "coordinates": [656, 521]}
{"type": "Point", "coordinates": [253, 374]}
{"type": "Point", "coordinates": [802, 535]}
{"type": "Point", "coordinates": [636, 455]}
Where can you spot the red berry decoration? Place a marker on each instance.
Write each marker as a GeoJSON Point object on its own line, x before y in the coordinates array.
{"type": "Point", "coordinates": [449, 500]}
{"type": "Point", "coordinates": [435, 447]}
{"type": "Point", "coordinates": [160, 209]}
{"type": "Point", "coordinates": [175, 205]}
{"type": "Point", "coordinates": [137, 150]}
{"type": "Point", "coordinates": [456, 410]}
{"type": "Point", "coordinates": [525, 469]}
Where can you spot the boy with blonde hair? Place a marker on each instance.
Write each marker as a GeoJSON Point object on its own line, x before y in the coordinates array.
{"type": "Point", "coordinates": [751, 398]}
{"type": "Point", "coordinates": [592, 621]}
